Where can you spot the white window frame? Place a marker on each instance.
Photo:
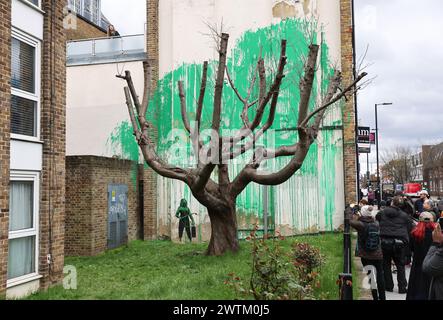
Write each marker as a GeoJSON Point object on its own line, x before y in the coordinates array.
{"type": "Point", "coordinates": [34, 42]}
{"type": "Point", "coordinates": [38, 6]}
{"type": "Point", "coordinates": [34, 231]}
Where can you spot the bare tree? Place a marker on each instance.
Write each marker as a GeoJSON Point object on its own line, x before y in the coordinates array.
{"type": "Point", "coordinates": [219, 197]}
{"type": "Point", "coordinates": [397, 163]}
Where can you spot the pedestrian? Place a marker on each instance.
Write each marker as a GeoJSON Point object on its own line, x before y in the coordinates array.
{"type": "Point", "coordinates": [433, 264]}
{"type": "Point", "coordinates": [419, 203]}
{"type": "Point", "coordinates": [440, 208]}
{"type": "Point", "coordinates": [371, 197]}
{"type": "Point", "coordinates": [184, 214]}
{"type": "Point", "coordinates": [112, 32]}
{"type": "Point", "coordinates": [369, 248]}
{"type": "Point", "coordinates": [395, 226]}
{"type": "Point", "coordinates": [428, 206]}
{"type": "Point", "coordinates": [421, 241]}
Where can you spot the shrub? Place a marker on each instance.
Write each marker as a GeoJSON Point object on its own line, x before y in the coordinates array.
{"type": "Point", "coordinates": [277, 274]}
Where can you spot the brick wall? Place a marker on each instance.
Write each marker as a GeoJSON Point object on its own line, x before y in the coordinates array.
{"type": "Point", "coordinates": [149, 176]}
{"type": "Point", "coordinates": [85, 30]}
{"type": "Point", "coordinates": [53, 128]}
{"type": "Point", "coordinates": [87, 180]}
{"type": "Point", "coordinates": [349, 143]}
{"type": "Point", "coordinates": [5, 98]}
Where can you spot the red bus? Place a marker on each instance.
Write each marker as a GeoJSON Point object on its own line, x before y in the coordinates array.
{"type": "Point", "coordinates": [412, 189]}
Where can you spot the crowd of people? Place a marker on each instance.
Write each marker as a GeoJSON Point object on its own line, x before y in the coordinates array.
{"type": "Point", "coordinates": [402, 234]}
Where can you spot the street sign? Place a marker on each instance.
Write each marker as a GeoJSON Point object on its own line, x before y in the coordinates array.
{"type": "Point", "coordinates": [364, 139]}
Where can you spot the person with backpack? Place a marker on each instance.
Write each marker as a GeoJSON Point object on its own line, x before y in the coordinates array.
{"type": "Point", "coordinates": [395, 227]}
{"type": "Point", "coordinates": [369, 248]}
{"type": "Point", "coordinates": [421, 241]}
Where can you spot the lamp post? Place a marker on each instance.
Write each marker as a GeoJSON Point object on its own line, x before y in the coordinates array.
{"type": "Point", "coordinates": [376, 142]}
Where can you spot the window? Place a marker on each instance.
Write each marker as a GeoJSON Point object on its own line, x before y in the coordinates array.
{"type": "Point", "coordinates": [96, 12]}
{"type": "Point", "coordinates": [35, 2]}
{"type": "Point", "coordinates": [23, 227]}
{"type": "Point", "coordinates": [75, 5]}
{"type": "Point", "coordinates": [87, 13]}
{"type": "Point", "coordinates": [25, 85]}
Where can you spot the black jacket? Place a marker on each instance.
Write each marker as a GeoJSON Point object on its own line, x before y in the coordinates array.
{"type": "Point", "coordinates": [395, 224]}
{"type": "Point", "coordinates": [419, 282]}
{"type": "Point", "coordinates": [433, 266]}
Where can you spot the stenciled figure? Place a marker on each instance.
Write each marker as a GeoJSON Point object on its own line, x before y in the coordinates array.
{"type": "Point", "coordinates": [184, 214]}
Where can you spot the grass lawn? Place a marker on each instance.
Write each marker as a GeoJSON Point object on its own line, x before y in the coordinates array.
{"type": "Point", "coordinates": [163, 270]}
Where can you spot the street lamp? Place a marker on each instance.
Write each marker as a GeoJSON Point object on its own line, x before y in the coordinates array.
{"type": "Point", "coordinates": [376, 142]}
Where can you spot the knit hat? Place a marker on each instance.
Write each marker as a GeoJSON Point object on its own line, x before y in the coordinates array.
{"type": "Point", "coordinates": [366, 211]}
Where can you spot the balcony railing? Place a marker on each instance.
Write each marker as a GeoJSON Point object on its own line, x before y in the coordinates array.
{"type": "Point", "coordinates": [102, 50]}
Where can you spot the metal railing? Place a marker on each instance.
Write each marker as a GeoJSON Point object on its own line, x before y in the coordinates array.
{"type": "Point", "coordinates": [109, 46]}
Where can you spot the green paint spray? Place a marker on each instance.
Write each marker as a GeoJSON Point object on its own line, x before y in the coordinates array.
{"type": "Point", "coordinates": [303, 212]}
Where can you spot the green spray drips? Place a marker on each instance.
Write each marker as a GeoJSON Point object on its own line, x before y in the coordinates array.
{"type": "Point", "coordinates": [300, 190]}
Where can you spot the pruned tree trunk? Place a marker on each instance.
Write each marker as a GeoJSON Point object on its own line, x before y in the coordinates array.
{"type": "Point", "coordinates": [223, 231]}
{"type": "Point", "coordinates": [219, 197]}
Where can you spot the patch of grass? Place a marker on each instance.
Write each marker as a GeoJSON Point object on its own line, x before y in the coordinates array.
{"type": "Point", "coordinates": [163, 270]}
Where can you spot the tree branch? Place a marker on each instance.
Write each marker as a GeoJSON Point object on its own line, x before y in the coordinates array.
{"type": "Point", "coordinates": [147, 90]}
{"type": "Point", "coordinates": [182, 96]}
{"type": "Point", "coordinates": [146, 145]}
{"type": "Point", "coordinates": [137, 132]}
{"type": "Point", "coordinates": [195, 135]}
{"type": "Point", "coordinates": [334, 100]}
{"type": "Point", "coordinates": [231, 83]}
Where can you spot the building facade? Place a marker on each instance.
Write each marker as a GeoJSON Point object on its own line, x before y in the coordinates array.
{"type": "Point", "coordinates": [176, 45]}
{"type": "Point", "coordinates": [32, 146]}
{"type": "Point", "coordinates": [314, 199]}
{"type": "Point", "coordinates": [433, 169]}
{"type": "Point", "coordinates": [87, 20]}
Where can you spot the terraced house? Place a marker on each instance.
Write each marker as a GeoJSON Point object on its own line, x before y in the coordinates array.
{"type": "Point", "coordinates": [32, 145]}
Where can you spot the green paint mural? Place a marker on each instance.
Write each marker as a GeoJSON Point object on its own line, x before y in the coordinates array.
{"type": "Point", "coordinates": [123, 145]}
{"type": "Point", "coordinates": [164, 112]}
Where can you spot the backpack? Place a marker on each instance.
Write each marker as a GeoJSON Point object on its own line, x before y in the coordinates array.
{"type": "Point", "coordinates": [371, 239]}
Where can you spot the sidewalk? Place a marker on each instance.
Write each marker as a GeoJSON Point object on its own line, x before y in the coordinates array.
{"type": "Point", "coordinates": [365, 294]}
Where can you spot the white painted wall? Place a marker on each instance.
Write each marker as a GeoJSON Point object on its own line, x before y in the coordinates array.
{"type": "Point", "coordinates": [183, 38]}
{"type": "Point", "coordinates": [27, 18]}
{"type": "Point", "coordinates": [96, 105]}
{"type": "Point", "coordinates": [26, 155]}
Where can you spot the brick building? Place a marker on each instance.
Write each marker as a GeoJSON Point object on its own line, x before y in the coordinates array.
{"type": "Point", "coordinates": [433, 169]}
{"type": "Point", "coordinates": [96, 219]}
{"type": "Point", "coordinates": [32, 145]}
{"type": "Point", "coordinates": [91, 22]}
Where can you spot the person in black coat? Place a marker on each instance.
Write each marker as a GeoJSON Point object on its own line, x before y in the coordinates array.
{"type": "Point", "coordinates": [395, 226]}
{"type": "Point", "coordinates": [421, 241]}
{"type": "Point", "coordinates": [433, 264]}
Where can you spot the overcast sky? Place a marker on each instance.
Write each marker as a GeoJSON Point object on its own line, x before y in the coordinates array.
{"type": "Point", "coordinates": [405, 47]}
{"type": "Point", "coordinates": [405, 39]}
{"type": "Point", "coordinates": [128, 16]}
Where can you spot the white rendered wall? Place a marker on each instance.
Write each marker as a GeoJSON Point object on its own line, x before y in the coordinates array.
{"type": "Point", "coordinates": [183, 38]}
{"type": "Point", "coordinates": [96, 105]}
